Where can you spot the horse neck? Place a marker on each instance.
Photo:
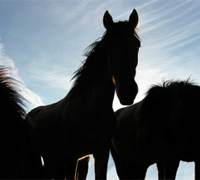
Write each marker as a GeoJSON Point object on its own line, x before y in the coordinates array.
{"type": "Point", "coordinates": [95, 84]}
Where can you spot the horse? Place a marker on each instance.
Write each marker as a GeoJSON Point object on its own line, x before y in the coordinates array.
{"type": "Point", "coordinates": [162, 128]}
{"type": "Point", "coordinates": [12, 114]}
{"type": "Point", "coordinates": [187, 133]}
{"type": "Point", "coordinates": [82, 123]}
{"type": "Point", "coordinates": [15, 161]}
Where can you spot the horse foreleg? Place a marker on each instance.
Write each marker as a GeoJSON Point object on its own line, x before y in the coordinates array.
{"type": "Point", "coordinates": [167, 170]}
{"type": "Point", "coordinates": [82, 168]}
{"type": "Point", "coordinates": [101, 163]}
{"type": "Point", "coordinates": [197, 170]}
{"type": "Point", "coordinates": [70, 168]}
{"type": "Point", "coordinates": [33, 168]}
{"type": "Point", "coordinates": [54, 170]}
{"type": "Point", "coordinates": [161, 170]}
{"type": "Point", "coordinates": [171, 169]}
{"type": "Point", "coordinates": [139, 170]}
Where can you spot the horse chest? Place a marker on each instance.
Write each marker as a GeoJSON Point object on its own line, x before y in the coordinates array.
{"type": "Point", "coordinates": [124, 142]}
{"type": "Point", "coordinates": [71, 127]}
{"type": "Point", "coordinates": [91, 136]}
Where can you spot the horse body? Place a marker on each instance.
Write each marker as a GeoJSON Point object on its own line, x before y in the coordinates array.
{"type": "Point", "coordinates": [83, 122]}
{"type": "Point", "coordinates": [65, 130]}
{"type": "Point", "coordinates": [162, 133]}
{"type": "Point", "coordinates": [12, 114]}
{"type": "Point", "coordinates": [186, 132]}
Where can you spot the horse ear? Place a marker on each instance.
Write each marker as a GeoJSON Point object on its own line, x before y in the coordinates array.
{"type": "Point", "coordinates": [107, 20]}
{"type": "Point", "coordinates": [134, 19]}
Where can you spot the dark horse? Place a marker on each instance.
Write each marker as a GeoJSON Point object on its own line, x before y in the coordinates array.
{"type": "Point", "coordinates": [17, 160]}
{"type": "Point", "coordinates": [12, 114]}
{"type": "Point", "coordinates": [161, 128]}
{"type": "Point", "coordinates": [83, 122]}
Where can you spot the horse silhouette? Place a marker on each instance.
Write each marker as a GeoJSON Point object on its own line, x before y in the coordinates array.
{"type": "Point", "coordinates": [161, 128]}
{"type": "Point", "coordinates": [12, 114]}
{"type": "Point", "coordinates": [83, 122]}
{"type": "Point", "coordinates": [14, 147]}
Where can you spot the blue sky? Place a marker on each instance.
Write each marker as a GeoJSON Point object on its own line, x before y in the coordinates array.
{"type": "Point", "coordinates": [44, 41]}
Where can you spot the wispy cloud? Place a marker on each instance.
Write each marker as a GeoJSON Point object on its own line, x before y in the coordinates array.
{"type": "Point", "coordinates": [53, 75]}
{"type": "Point", "coordinates": [170, 35]}
{"type": "Point", "coordinates": [13, 72]}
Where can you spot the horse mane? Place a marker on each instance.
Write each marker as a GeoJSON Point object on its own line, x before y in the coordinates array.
{"type": "Point", "coordinates": [168, 86]}
{"type": "Point", "coordinates": [92, 56]}
{"type": "Point", "coordinates": [158, 98]}
{"type": "Point", "coordinates": [82, 72]}
{"type": "Point", "coordinates": [10, 98]}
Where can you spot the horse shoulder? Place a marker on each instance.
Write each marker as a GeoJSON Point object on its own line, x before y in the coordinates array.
{"type": "Point", "coordinates": [129, 116]}
{"type": "Point", "coordinates": [46, 118]}
{"type": "Point", "coordinates": [124, 139]}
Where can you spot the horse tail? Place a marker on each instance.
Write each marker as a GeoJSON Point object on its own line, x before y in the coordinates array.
{"type": "Point", "coordinates": [12, 114]}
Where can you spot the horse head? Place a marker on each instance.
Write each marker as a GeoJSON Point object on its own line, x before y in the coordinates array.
{"type": "Point", "coordinates": [122, 43]}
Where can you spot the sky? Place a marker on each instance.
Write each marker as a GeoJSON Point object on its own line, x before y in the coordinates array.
{"type": "Point", "coordinates": [43, 42]}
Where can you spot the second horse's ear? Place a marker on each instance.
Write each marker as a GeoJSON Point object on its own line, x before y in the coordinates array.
{"type": "Point", "coordinates": [107, 20]}
{"type": "Point", "coordinates": [134, 19]}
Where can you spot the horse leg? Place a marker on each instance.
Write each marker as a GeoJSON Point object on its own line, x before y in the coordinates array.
{"type": "Point", "coordinates": [49, 170]}
{"type": "Point", "coordinates": [120, 166]}
{"type": "Point", "coordinates": [54, 169]}
{"type": "Point", "coordinates": [197, 170]}
{"type": "Point", "coordinates": [82, 168]}
{"type": "Point", "coordinates": [70, 168]}
{"type": "Point", "coordinates": [123, 170]}
{"type": "Point", "coordinates": [167, 169]}
{"type": "Point", "coordinates": [101, 163]}
{"type": "Point", "coordinates": [161, 170]}
{"type": "Point", "coordinates": [30, 161]}
{"type": "Point", "coordinates": [33, 168]}
{"type": "Point", "coordinates": [139, 170]}
{"type": "Point", "coordinates": [59, 171]}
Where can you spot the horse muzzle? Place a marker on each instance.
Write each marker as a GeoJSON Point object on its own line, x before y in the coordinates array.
{"type": "Point", "coordinates": [127, 92]}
